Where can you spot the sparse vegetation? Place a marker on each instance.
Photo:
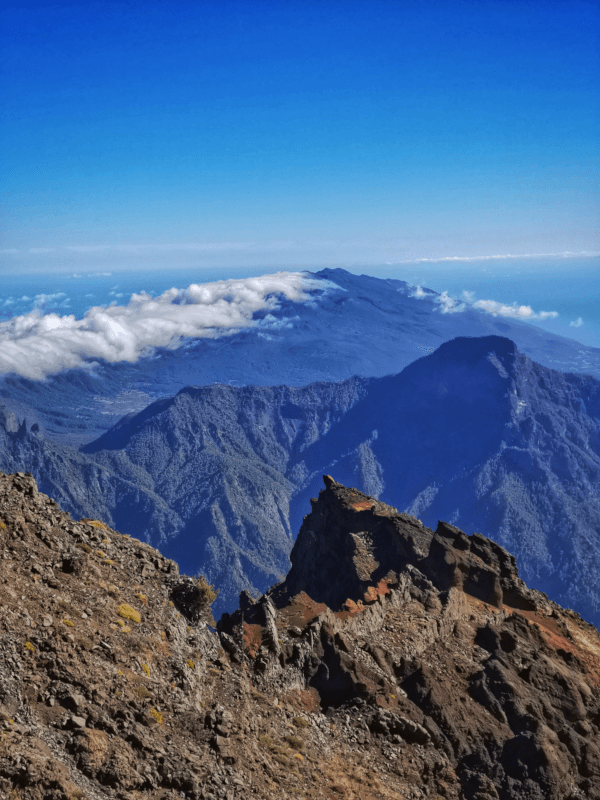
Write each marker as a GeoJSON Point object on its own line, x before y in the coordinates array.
{"type": "Point", "coordinates": [300, 722]}
{"type": "Point", "coordinates": [207, 590]}
{"type": "Point", "coordinates": [294, 742]}
{"type": "Point", "coordinates": [127, 612]}
{"type": "Point", "coordinates": [141, 692]}
{"type": "Point", "coordinates": [95, 523]}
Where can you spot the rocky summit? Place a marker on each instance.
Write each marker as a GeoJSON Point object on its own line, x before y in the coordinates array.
{"type": "Point", "coordinates": [393, 662]}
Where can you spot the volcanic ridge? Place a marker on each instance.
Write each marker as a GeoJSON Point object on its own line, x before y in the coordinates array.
{"type": "Point", "coordinates": [392, 662]}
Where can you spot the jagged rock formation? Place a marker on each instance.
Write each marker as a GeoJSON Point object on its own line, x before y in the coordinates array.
{"type": "Point", "coordinates": [430, 647]}
{"type": "Point", "coordinates": [433, 672]}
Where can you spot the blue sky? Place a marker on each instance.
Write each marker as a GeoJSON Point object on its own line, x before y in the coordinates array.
{"type": "Point", "coordinates": [290, 133]}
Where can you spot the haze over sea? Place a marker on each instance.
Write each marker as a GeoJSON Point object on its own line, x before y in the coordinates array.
{"type": "Point", "coordinates": [568, 286]}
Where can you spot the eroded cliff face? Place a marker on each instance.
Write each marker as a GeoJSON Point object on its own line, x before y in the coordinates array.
{"type": "Point", "coordinates": [393, 662]}
{"type": "Point", "coordinates": [429, 648]}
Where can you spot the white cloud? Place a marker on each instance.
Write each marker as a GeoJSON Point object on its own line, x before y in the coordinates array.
{"type": "Point", "coordinates": [576, 323]}
{"type": "Point", "coordinates": [35, 345]}
{"type": "Point", "coordinates": [449, 305]}
{"type": "Point", "coordinates": [192, 247]}
{"type": "Point", "coordinates": [43, 300]}
{"type": "Point", "coordinates": [565, 254]}
{"type": "Point", "coordinates": [513, 311]}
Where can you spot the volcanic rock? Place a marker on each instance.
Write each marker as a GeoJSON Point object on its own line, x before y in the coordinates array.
{"type": "Point", "coordinates": [393, 663]}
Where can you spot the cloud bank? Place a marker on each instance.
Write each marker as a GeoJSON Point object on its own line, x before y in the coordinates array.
{"type": "Point", "coordinates": [504, 256]}
{"type": "Point", "coordinates": [35, 345]}
{"type": "Point", "coordinates": [513, 311]}
{"type": "Point", "coordinates": [450, 305]}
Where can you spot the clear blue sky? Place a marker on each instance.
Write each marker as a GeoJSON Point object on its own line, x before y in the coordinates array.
{"type": "Point", "coordinates": [296, 133]}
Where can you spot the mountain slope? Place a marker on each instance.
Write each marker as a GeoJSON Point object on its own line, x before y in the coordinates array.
{"type": "Point", "coordinates": [218, 456]}
{"type": "Point", "coordinates": [480, 435]}
{"type": "Point", "coordinates": [434, 672]}
{"type": "Point", "coordinates": [476, 433]}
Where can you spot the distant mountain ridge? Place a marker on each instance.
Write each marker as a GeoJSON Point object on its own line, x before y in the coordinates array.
{"type": "Point", "coordinates": [475, 433]}
{"type": "Point", "coordinates": [366, 326]}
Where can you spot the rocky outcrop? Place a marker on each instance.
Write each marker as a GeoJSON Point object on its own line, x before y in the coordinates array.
{"type": "Point", "coordinates": [428, 643]}
{"type": "Point", "coordinates": [393, 663]}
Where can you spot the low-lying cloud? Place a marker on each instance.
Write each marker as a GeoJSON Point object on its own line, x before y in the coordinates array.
{"type": "Point", "coordinates": [450, 305]}
{"type": "Point", "coordinates": [35, 345]}
{"type": "Point", "coordinates": [513, 311]}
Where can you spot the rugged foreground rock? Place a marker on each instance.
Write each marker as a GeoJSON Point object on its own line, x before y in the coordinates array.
{"type": "Point", "coordinates": [393, 662]}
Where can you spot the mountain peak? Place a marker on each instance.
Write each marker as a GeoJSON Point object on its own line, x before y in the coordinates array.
{"type": "Point", "coordinates": [438, 645]}
{"type": "Point", "coordinates": [477, 347]}
{"type": "Point", "coordinates": [351, 543]}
